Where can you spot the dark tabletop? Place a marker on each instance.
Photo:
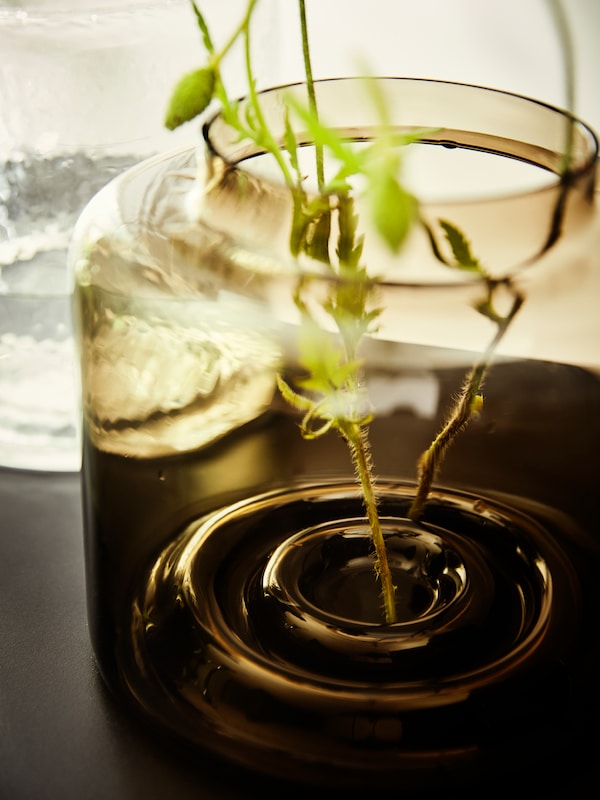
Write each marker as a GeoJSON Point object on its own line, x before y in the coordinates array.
{"type": "Point", "coordinates": [62, 735]}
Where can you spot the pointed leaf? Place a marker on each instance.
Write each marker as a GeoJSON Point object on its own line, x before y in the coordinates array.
{"type": "Point", "coordinates": [293, 398]}
{"type": "Point", "coordinates": [461, 247]}
{"type": "Point", "coordinates": [291, 145]}
{"type": "Point", "coordinates": [203, 28]}
{"type": "Point", "coordinates": [326, 137]}
{"type": "Point", "coordinates": [317, 245]}
{"type": "Point", "coordinates": [393, 209]}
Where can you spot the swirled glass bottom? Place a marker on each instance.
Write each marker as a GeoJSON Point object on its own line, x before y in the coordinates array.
{"type": "Point", "coordinates": [258, 634]}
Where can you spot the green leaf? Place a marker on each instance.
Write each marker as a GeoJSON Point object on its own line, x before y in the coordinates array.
{"type": "Point", "coordinates": [291, 145]}
{"type": "Point", "coordinates": [393, 209]}
{"type": "Point", "coordinates": [203, 28]}
{"type": "Point", "coordinates": [461, 247]}
{"type": "Point", "coordinates": [317, 240]}
{"type": "Point", "coordinates": [190, 97]}
{"type": "Point", "coordinates": [293, 398]}
{"type": "Point", "coordinates": [253, 125]}
{"type": "Point", "coordinates": [326, 137]}
{"type": "Point", "coordinates": [231, 115]}
{"type": "Point", "coordinates": [331, 375]}
{"type": "Point", "coordinates": [350, 243]}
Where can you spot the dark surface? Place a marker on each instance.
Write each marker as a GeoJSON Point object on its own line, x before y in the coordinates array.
{"type": "Point", "coordinates": [61, 733]}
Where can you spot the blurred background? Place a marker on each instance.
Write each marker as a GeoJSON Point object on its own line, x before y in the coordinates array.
{"type": "Point", "coordinates": [83, 89]}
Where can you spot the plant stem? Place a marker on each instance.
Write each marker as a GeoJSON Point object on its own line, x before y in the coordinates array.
{"type": "Point", "coordinates": [243, 26]}
{"type": "Point", "coordinates": [356, 437]}
{"type": "Point", "coordinates": [268, 141]}
{"type": "Point", "coordinates": [468, 403]}
{"type": "Point", "coordinates": [566, 44]}
{"type": "Point", "coordinates": [310, 85]}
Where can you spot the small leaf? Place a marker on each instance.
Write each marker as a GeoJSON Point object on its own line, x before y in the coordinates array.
{"type": "Point", "coordinates": [317, 241]}
{"type": "Point", "coordinates": [461, 247]}
{"type": "Point", "coordinates": [293, 398]}
{"type": "Point", "coordinates": [350, 243]}
{"type": "Point", "coordinates": [326, 137]}
{"type": "Point", "coordinates": [203, 28]}
{"type": "Point", "coordinates": [191, 96]}
{"type": "Point", "coordinates": [253, 124]}
{"type": "Point", "coordinates": [330, 375]}
{"type": "Point", "coordinates": [393, 209]}
{"type": "Point", "coordinates": [291, 145]}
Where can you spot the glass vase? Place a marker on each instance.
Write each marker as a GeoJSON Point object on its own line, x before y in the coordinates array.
{"type": "Point", "coordinates": [232, 596]}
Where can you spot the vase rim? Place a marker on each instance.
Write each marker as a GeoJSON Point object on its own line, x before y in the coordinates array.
{"type": "Point", "coordinates": [527, 139]}
{"type": "Point", "coordinates": [589, 163]}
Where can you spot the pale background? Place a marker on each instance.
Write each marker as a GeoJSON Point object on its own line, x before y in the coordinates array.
{"type": "Point", "coordinates": [116, 89]}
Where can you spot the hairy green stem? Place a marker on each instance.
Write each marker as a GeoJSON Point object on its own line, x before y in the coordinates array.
{"type": "Point", "coordinates": [468, 404]}
{"type": "Point", "coordinates": [356, 437]}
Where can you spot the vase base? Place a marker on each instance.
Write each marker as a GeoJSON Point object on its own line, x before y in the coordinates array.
{"type": "Point", "coordinates": [259, 635]}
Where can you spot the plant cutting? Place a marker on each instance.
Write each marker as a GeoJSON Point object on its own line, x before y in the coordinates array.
{"type": "Point", "coordinates": [263, 568]}
{"type": "Point", "coordinates": [334, 396]}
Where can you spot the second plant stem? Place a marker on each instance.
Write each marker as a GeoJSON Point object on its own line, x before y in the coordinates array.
{"type": "Point", "coordinates": [469, 403]}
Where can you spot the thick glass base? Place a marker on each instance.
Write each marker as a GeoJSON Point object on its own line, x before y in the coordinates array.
{"type": "Point", "coordinates": [233, 604]}
{"type": "Point", "coordinates": [258, 634]}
